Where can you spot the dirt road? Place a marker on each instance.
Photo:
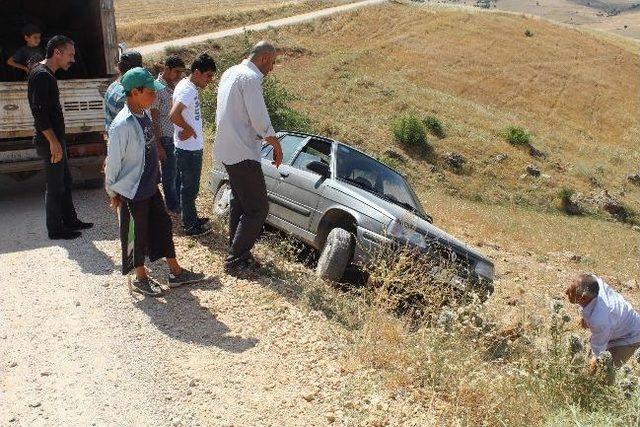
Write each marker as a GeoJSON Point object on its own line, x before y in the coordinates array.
{"type": "Point", "coordinates": [298, 19]}
{"type": "Point", "coordinates": [76, 348]}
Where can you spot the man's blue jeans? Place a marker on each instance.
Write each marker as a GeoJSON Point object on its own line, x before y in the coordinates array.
{"type": "Point", "coordinates": [189, 171]}
{"type": "Point", "coordinates": [168, 168]}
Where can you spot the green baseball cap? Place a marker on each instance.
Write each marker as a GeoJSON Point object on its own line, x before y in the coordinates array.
{"type": "Point", "coordinates": [139, 77]}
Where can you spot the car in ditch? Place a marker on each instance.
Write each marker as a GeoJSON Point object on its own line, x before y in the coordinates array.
{"type": "Point", "coordinates": [348, 205]}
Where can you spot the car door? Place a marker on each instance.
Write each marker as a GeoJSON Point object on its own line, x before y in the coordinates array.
{"type": "Point", "coordinates": [298, 192]}
{"type": "Point", "coordinates": [291, 144]}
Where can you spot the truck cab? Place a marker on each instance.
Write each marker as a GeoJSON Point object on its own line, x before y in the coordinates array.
{"type": "Point", "coordinates": [91, 24]}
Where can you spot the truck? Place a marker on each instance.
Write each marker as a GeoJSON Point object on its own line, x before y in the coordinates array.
{"type": "Point", "coordinates": [91, 24]}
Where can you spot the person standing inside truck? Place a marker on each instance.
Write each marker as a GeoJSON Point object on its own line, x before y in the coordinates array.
{"type": "Point", "coordinates": [163, 128]}
{"type": "Point", "coordinates": [188, 138]}
{"type": "Point", "coordinates": [29, 54]}
{"type": "Point", "coordinates": [131, 179]}
{"type": "Point", "coordinates": [114, 98]}
{"type": "Point", "coordinates": [49, 139]}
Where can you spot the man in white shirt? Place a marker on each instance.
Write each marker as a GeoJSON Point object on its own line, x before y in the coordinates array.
{"type": "Point", "coordinates": [188, 139]}
{"type": "Point", "coordinates": [242, 124]}
{"type": "Point", "coordinates": [614, 324]}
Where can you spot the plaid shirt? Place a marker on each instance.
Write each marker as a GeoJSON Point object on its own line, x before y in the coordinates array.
{"type": "Point", "coordinates": [163, 103]}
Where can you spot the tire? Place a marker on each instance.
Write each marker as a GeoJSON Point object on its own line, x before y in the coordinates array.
{"type": "Point", "coordinates": [336, 255]}
{"type": "Point", "coordinates": [221, 200]}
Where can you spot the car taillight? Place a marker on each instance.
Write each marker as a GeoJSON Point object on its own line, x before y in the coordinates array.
{"type": "Point", "coordinates": [86, 150]}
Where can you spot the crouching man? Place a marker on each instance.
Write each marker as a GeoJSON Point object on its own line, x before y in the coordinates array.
{"type": "Point", "coordinates": [614, 324]}
{"type": "Point", "coordinates": [132, 178]}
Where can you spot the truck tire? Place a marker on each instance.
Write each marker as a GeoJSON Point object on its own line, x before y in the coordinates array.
{"type": "Point", "coordinates": [336, 255]}
{"type": "Point", "coordinates": [221, 200]}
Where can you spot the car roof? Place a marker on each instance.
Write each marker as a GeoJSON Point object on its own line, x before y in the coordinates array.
{"type": "Point", "coordinates": [324, 138]}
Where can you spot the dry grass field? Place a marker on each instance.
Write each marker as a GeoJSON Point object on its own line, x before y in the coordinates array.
{"type": "Point", "coordinates": [477, 72]}
{"type": "Point", "coordinates": [156, 20]}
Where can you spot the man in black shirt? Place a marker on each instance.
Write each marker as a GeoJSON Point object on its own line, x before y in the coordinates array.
{"type": "Point", "coordinates": [49, 139]}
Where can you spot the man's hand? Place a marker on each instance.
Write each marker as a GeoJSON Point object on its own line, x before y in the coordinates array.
{"type": "Point", "coordinates": [186, 133]}
{"type": "Point", "coordinates": [277, 150]}
{"type": "Point", "coordinates": [116, 202]}
{"type": "Point", "coordinates": [56, 151]}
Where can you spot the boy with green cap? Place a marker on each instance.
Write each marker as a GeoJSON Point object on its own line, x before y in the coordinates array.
{"type": "Point", "coordinates": [132, 175]}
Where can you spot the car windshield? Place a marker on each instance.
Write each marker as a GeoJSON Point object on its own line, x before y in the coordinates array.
{"type": "Point", "coordinates": [373, 176]}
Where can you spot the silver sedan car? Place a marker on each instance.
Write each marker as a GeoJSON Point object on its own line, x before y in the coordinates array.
{"type": "Point", "coordinates": [346, 204]}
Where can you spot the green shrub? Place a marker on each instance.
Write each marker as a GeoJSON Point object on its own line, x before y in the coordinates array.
{"type": "Point", "coordinates": [283, 117]}
{"type": "Point", "coordinates": [434, 126]}
{"type": "Point", "coordinates": [528, 33]}
{"type": "Point", "coordinates": [277, 99]}
{"type": "Point", "coordinates": [515, 135]}
{"type": "Point", "coordinates": [409, 130]}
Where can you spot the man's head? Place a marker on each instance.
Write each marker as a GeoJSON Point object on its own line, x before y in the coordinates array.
{"type": "Point", "coordinates": [173, 69]}
{"type": "Point", "coordinates": [263, 55]}
{"type": "Point", "coordinates": [582, 289]}
{"type": "Point", "coordinates": [32, 35]}
{"type": "Point", "coordinates": [128, 60]}
{"type": "Point", "coordinates": [140, 87]}
{"type": "Point", "coordinates": [61, 52]}
{"type": "Point", "coordinates": [202, 70]}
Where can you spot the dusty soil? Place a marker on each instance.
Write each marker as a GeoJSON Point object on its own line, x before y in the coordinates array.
{"type": "Point", "coordinates": [76, 348]}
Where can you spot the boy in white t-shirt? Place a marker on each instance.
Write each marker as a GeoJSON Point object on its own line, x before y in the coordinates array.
{"type": "Point", "coordinates": [188, 138]}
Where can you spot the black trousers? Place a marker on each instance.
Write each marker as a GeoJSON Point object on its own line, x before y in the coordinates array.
{"type": "Point", "coordinates": [57, 199]}
{"type": "Point", "coordinates": [248, 208]}
{"type": "Point", "coordinates": [145, 230]}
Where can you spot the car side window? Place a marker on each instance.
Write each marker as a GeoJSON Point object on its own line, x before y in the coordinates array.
{"type": "Point", "coordinates": [267, 152]}
{"type": "Point", "coordinates": [290, 146]}
{"type": "Point", "coordinates": [316, 150]}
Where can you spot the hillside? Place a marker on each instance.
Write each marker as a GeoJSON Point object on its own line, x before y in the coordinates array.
{"type": "Point", "coordinates": [478, 73]}
{"type": "Point", "coordinates": [353, 75]}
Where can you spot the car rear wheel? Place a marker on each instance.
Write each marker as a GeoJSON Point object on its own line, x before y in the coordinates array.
{"type": "Point", "coordinates": [336, 254]}
{"type": "Point", "coordinates": [221, 200]}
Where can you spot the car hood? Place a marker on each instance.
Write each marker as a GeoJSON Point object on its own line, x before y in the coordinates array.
{"type": "Point", "coordinates": [408, 218]}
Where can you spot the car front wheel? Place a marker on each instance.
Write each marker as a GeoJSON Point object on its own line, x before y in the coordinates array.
{"type": "Point", "coordinates": [222, 200]}
{"type": "Point", "coordinates": [336, 254]}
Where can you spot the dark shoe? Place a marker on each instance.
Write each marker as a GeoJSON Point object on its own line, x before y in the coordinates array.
{"type": "Point", "coordinates": [200, 221]}
{"type": "Point", "coordinates": [65, 235]}
{"type": "Point", "coordinates": [243, 269]}
{"type": "Point", "coordinates": [253, 263]}
{"type": "Point", "coordinates": [198, 231]}
{"type": "Point", "coordinates": [147, 287]}
{"type": "Point", "coordinates": [186, 277]}
{"type": "Point", "coordinates": [79, 225]}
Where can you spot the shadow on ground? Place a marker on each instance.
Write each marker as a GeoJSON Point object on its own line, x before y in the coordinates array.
{"type": "Point", "coordinates": [181, 316]}
{"type": "Point", "coordinates": [23, 224]}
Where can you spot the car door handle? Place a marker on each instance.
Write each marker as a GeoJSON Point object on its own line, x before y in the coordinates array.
{"type": "Point", "coordinates": [284, 174]}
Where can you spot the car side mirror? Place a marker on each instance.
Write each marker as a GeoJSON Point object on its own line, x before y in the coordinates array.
{"type": "Point", "coordinates": [320, 168]}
